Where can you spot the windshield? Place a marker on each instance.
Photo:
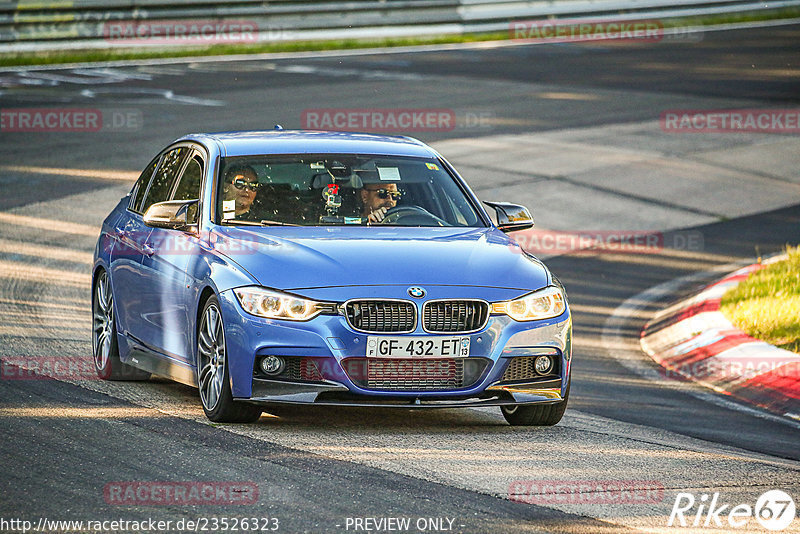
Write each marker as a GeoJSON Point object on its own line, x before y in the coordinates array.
{"type": "Point", "coordinates": [314, 190]}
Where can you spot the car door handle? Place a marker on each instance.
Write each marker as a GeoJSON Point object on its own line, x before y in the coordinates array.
{"type": "Point", "coordinates": [148, 250]}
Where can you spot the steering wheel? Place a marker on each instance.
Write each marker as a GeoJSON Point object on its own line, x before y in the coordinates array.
{"type": "Point", "coordinates": [411, 216]}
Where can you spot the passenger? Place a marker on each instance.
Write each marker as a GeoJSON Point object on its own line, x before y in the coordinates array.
{"type": "Point", "coordinates": [241, 185]}
{"type": "Point", "coordinates": [377, 199]}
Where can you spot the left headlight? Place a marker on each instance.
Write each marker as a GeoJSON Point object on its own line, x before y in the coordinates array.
{"type": "Point", "coordinates": [543, 304]}
{"type": "Point", "coordinates": [276, 305]}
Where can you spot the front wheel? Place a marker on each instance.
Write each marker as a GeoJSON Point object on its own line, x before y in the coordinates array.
{"type": "Point", "coordinates": [213, 377]}
{"type": "Point", "coordinates": [536, 414]}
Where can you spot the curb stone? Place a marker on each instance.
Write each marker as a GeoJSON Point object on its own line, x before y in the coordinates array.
{"type": "Point", "coordinates": [693, 340]}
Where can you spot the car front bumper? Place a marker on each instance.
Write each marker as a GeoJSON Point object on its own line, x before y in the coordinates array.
{"type": "Point", "coordinates": [331, 340]}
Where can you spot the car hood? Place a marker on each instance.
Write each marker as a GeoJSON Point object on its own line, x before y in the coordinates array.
{"type": "Point", "coordinates": [294, 258]}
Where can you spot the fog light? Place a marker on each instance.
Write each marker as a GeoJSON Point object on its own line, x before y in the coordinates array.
{"type": "Point", "coordinates": [272, 365]}
{"type": "Point", "coordinates": [543, 364]}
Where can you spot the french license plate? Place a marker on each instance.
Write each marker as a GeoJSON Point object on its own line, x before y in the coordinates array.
{"type": "Point", "coordinates": [417, 347]}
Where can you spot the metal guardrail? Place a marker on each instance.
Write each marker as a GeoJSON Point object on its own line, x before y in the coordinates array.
{"type": "Point", "coordinates": [60, 24]}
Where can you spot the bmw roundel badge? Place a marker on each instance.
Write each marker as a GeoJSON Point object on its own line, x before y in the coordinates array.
{"type": "Point", "coordinates": [416, 292]}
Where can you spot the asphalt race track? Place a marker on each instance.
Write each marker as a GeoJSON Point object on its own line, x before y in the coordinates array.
{"type": "Point", "coordinates": [571, 130]}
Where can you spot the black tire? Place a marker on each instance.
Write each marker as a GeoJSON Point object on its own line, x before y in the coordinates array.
{"type": "Point", "coordinates": [105, 348]}
{"type": "Point", "coordinates": [536, 414]}
{"type": "Point", "coordinates": [213, 378]}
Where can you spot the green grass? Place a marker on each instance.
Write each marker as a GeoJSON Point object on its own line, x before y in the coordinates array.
{"type": "Point", "coordinates": [733, 18]}
{"type": "Point", "coordinates": [767, 304]}
{"type": "Point", "coordinates": [115, 54]}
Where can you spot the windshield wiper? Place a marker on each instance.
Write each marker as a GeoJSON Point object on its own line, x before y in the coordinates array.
{"type": "Point", "coordinates": [234, 222]}
{"type": "Point", "coordinates": [267, 222]}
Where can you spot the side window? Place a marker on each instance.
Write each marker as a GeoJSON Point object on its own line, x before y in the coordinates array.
{"type": "Point", "coordinates": [141, 185]}
{"type": "Point", "coordinates": [189, 186]}
{"type": "Point", "coordinates": [165, 176]}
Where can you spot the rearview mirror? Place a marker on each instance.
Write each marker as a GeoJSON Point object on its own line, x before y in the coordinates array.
{"type": "Point", "coordinates": [511, 217]}
{"type": "Point", "coordinates": [173, 214]}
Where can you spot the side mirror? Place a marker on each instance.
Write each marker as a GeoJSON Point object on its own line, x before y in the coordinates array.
{"type": "Point", "coordinates": [511, 217]}
{"type": "Point", "coordinates": [173, 214]}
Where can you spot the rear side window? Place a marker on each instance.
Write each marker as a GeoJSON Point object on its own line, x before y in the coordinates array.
{"type": "Point", "coordinates": [164, 179]}
{"type": "Point", "coordinates": [189, 186]}
{"type": "Point", "coordinates": [142, 183]}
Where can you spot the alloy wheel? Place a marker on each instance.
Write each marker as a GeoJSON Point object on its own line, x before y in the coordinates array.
{"type": "Point", "coordinates": [211, 357]}
{"type": "Point", "coordinates": [103, 321]}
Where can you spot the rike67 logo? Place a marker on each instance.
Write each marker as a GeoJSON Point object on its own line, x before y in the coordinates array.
{"type": "Point", "coordinates": [774, 510]}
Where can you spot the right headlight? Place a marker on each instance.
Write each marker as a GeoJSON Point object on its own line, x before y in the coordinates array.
{"type": "Point", "coordinates": [276, 305]}
{"type": "Point", "coordinates": [543, 304]}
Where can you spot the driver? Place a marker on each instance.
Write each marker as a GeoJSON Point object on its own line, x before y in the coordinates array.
{"type": "Point", "coordinates": [377, 199]}
{"type": "Point", "coordinates": [241, 185]}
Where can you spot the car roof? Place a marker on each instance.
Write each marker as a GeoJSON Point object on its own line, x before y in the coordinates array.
{"type": "Point", "coordinates": [248, 143]}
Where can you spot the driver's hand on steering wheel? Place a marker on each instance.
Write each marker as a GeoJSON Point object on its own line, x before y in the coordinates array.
{"type": "Point", "coordinates": [377, 215]}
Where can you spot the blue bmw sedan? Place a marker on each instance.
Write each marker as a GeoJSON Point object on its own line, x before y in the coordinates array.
{"type": "Point", "coordinates": [302, 267]}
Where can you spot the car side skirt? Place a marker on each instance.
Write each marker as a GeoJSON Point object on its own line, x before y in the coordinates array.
{"type": "Point", "coordinates": [161, 366]}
